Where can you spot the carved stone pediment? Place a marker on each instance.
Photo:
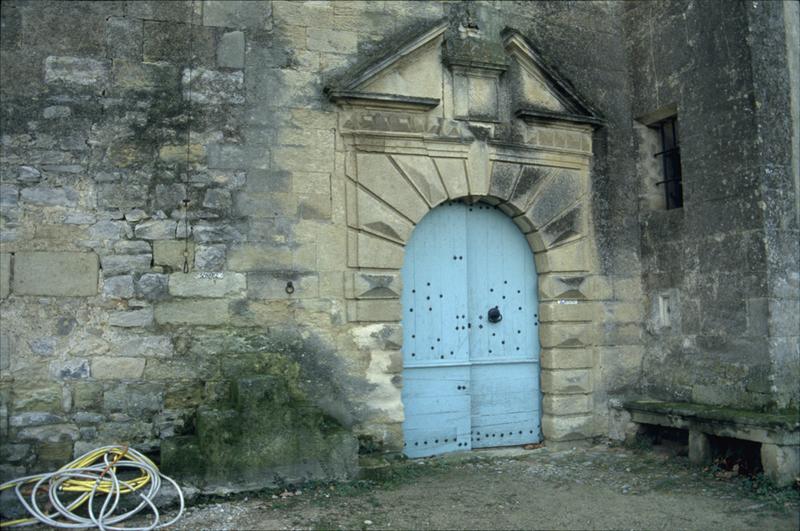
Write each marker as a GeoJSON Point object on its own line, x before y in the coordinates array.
{"type": "Point", "coordinates": [451, 75]}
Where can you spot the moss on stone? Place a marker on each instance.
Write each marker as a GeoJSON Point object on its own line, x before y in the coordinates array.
{"type": "Point", "coordinates": [789, 418]}
{"type": "Point", "coordinates": [264, 432]}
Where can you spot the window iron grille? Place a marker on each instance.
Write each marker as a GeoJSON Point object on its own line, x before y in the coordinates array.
{"type": "Point", "coordinates": [670, 155]}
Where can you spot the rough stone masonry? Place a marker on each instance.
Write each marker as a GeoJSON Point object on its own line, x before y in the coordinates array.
{"type": "Point", "coordinates": [115, 113]}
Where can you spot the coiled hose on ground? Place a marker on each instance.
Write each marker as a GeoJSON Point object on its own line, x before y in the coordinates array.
{"type": "Point", "coordinates": [100, 478]}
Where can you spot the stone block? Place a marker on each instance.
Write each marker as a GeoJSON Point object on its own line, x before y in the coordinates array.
{"type": "Point", "coordinates": [317, 14]}
{"type": "Point", "coordinates": [179, 44]}
{"type": "Point", "coordinates": [567, 358]}
{"type": "Point", "coordinates": [373, 285]}
{"type": "Point", "coordinates": [230, 50]}
{"type": "Point", "coordinates": [55, 112]}
{"type": "Point", "coordinates": [273, 285]}
{"type": "Point", "coordinates": [226, 156]}
{"type": "Point", "coordinates": [566, 335]}
{"type": "Point", "coordinates": [56, 274]}
{"type": "Point", "coordinates": [43, 346]}
{"type": "Point", "coordinates": [131, 318]}
{"type": "Point", "coordinates": [114, 368]}
{"type": "Point", "coordinates": [259, 257]}
{"type": "Point", "coordinates": [566, 310]}
{"type": "Point", "coordinates": [422, 172]}
{"type": "Point", "coordinates": [261, 313]}
{"type": "Point", "coordinates": [203, 233]}
{"type": "Point", "coordinates": [332, 40]}
{"type": "Point", "coordinates": [568, 381]}
{"type": "Point", "coordinates": [314, 206]}
{"type": "Point", "coordinates": [619, 367]}
{"type": "Point", "coordinates": [504, 179]}
{"type": "Point", "coordinates": [245, 15]}
{"type": "Point", "coordinates": [55, 453]}
{"type": "Point", "coordinates": [119, 287]}
{"type": "Point", "coordinates": [204, 312]}
{"type": "Point", "coordinates": [567, 404]}
{"type": "Point", "coordinates": [374, 252]}
{"type": "Point", "coordinates": [528, 184]}
{"type": "Point", "coordinates": [124, 37]}
{"type": "Point", "coordinates": [620, 426]}
{"type": "Point", "coordinates": [109, 230]}
{"type": "Point", "coordinates": [567, 226]}
{"type": "Point", "coordinates": [373, 215]}
{"type": "Point", "coordinates": [566, 428]}
{"type": "Point", "coordinates": [119, 264]}
{"type": "Point", "coordinates": [217, 199]}
{"type": "Point", "coordinates": [572, 257]}
{"type": "Point", "coordinates": [374, 311]}
{"type": "Point", "coordinates": [381, 177]}
{"type": "Point", "coordinates": [213, 87]}
{"type": "Point", "coordinates": [170, 253]}
{"type": "Point", "coordinates": [137, 76]}
{"type": "Point", "coordinates": [50, 196]}
{"type": "Point", "coordinates": [121, 195]}
{"type": "Point", "coordinates": [34, 418]}
{"type": "Point", "coordinates": [454, 176]}
{"type": "Point", "coordinates": [52, 433]}
{"type": "Point", "coordinates": [152, 286]}
{"type": "Point", "coordinates": [70, 369]}
{"type": "Point", "coordinates": [86, 395]}
{"type": "Point", "coordinates": [156, 229]}
{"type": "Point", "coordinates": [206, 284]}
{"type": "Point", "coordinates": [144, 346]}
{"type": "Point", "coordinates": [781, 463]}
{"type": "Point", "coordinates": [134, 399]}
{"type": "Point", "coordinates": [37, 396]}
{"type": "Point", "coordinates": [612, 333]}
{"type": "Point", "coordinates": [555, 195]}
{"type": "Point", "coordinates": [64, 233]}
{"type": "Point", "coordinates": [77, 71]}
{"type": "Point", "coordinates": [699, 448]}
{"type": "Point", "coordinates": [177, 153]}
{"type": "Point", "coordinates": [6, 348]}
{"type": "Point", "coordinates": [5, 275]}
{"type": "Point", "coordinates": [210, 257]}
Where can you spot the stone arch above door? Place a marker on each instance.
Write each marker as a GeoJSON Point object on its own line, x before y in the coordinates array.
{"type": "Point", "coordinates": [450, 115]}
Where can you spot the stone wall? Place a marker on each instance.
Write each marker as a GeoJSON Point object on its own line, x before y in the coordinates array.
{"type": "Point", "coordinates": [113, 113]}
{"type": "Point", "coordinates": [725, 265]}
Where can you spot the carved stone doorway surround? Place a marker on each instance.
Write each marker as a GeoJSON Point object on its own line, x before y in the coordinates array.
{"type": "Point", "coordinates": [453, 116]}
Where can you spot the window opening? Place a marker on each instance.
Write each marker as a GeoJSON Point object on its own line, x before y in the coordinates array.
{"type": "Point", "coordinates": [670, 155]}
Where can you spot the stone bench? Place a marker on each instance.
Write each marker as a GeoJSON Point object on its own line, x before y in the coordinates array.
{"type": "Point", "coordinates": [778, 433]}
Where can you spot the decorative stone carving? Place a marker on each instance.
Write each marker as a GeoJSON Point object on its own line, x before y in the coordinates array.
{"type": "Point", "coordinates": [455, 115]}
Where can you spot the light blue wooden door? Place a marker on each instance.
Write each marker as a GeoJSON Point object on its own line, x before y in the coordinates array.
{"type": "Point", "coordinates": [436, 368]}
{"type": "Point", "coordinates": [469, 382]}
{"type": "Point", "coordinates": [504, 355]}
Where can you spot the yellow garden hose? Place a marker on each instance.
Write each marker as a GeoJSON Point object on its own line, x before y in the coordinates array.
{"type": "Point", "coordinates": [96, 477]}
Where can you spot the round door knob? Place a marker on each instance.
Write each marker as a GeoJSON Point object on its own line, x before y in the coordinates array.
{"type": "Point", "coordinates": [494, 315]}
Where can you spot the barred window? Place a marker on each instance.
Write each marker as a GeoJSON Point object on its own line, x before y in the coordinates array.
{"type": "Point", "coordinates": [670, 156]}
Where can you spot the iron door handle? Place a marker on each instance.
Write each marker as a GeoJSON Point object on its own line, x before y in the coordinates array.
{"type": "Point", "coordinates": [494, 315]}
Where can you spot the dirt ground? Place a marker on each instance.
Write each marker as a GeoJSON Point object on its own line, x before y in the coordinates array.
{"type": "Point", "coordinates": [595, 488]}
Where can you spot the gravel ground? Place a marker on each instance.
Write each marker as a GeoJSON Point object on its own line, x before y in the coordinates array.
{"type": "Point", "coordinates": [595, 488]}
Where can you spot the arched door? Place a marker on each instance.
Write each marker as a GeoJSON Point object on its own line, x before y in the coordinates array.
{"type": "Point", "coordinates": [470, 333]}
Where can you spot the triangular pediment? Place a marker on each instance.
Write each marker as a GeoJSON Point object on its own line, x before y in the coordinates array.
{"type": "Point", "coordinates": [473, 76]}
{"type": "Point", "coordinates": [539, 90]}
{"type": "Point", "coordinates": [409, 76]}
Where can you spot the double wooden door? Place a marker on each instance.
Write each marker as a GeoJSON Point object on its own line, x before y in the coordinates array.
{"type": "Point", "coordinates": [470, 333]}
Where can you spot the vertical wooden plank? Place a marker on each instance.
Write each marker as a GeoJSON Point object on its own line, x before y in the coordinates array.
{"type": "Point", "coordinates": [505, 398]}
{"type": "Point", "coordinates": [435, 352]}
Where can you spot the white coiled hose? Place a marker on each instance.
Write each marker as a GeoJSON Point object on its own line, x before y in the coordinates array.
{"type": "Point", "coordinates": [95, 476]}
